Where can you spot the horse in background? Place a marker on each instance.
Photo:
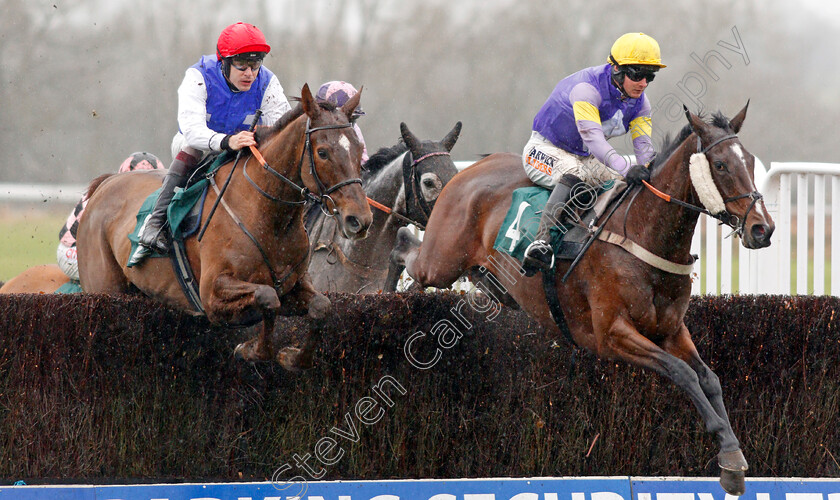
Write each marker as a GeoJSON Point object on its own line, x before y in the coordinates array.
{"type": "Point", "coordinates": [251, 264]}
{"type": "Point", "coordinates": [405, 181]}
{"type": "Point", "coordinates": [613, 303]}
{"type": "Point", "coordinates": [46, 278]}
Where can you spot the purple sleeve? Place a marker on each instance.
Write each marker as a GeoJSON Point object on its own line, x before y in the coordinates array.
{"type": "Point", "coordinates": [591, 131]}
{"type": "Point", "coordinates": [642, 145]}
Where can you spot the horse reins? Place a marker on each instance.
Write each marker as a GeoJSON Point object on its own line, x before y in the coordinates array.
{"type": "Point", "coordinates": [724, 217]}
{"type": "Point", "coordinates": [306, 194]}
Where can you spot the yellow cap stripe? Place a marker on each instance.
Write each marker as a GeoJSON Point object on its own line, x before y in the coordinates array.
{"type": "Point", "coordinates": [586, 111]}
{"type": "Point", "coordinates": [640, 126]}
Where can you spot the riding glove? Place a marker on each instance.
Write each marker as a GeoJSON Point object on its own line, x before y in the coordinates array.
{"type": "Point", "coordinates": [637, 174]}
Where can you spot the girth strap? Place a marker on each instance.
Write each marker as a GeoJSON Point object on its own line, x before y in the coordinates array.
{"type": "Point", "coordinates": [645, 255]}
{"type": "Point", "coordinates": [552, 297]}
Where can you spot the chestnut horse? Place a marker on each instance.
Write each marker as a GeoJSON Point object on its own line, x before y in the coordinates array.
{"type": "Point", "coordinates": [616, 305]}
{"type": "Point", "coordinates": [405, 181]}
{"type": "Point", "coordinates": [46, 278]}
{"type": "Point", "coordinates": [251, 263]}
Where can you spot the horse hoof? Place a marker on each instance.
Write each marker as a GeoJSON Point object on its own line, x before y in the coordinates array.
{"type": "Point", "coordinates": [732, 482]}
{"type": "Point", "coordinates": [289, 358]}
{"type": "Point", "coordinates": [732, 461]}
{"type": "Point", "coordinates": [247, 351]}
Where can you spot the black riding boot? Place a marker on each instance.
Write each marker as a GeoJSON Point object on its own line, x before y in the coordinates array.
{"type": "Point", "coordinates": [539, 256]}
{"type": "Point", "coordinates": [153, 235]}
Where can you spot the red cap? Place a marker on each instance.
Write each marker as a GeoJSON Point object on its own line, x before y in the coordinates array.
{"type": "Point", "coordinates": [240, 38]}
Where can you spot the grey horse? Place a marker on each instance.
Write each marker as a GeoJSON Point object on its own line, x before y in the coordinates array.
{"type": "Point", "coordinates": [402, 183]}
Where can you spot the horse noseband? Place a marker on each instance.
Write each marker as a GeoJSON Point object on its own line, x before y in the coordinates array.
{"type": "Point", "coordinates": [725, 217]}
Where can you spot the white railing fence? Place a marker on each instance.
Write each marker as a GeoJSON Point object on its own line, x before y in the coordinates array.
{"type": "Point", "coordinates": [800, 197]}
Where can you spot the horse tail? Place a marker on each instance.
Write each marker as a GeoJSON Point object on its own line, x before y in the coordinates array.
{"type": "Point", "coordinates": [95, 184]}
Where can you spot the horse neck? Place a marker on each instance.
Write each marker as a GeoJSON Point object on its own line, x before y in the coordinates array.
{"type": "Point", "coordinates": [664, 228]}
{"type": "Point", "coordinates": [286, 161]}
{"type": "Point", "coordinates": [383, 187]}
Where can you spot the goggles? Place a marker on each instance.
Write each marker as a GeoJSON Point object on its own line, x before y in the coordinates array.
{"type": "Point", "coordinates": [637, 73]}
{"type": "Point", "coordinates": [242, 64]}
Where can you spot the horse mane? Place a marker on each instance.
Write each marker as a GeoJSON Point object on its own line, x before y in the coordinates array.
{"type": "Point", "coordinates": [670, 144]}
{"type": "Point", "coordinates": [384, 156]}
{"type": "Point", "coordinates": [290, 116]}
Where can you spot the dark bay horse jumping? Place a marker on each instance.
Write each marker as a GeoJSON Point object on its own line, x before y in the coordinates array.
{"type": "Point", "coordinates": [615, 305]}
{"type": "Point", "coordinates": [252, 262]}
{"type": "Point", "coordinates": [406, 180]}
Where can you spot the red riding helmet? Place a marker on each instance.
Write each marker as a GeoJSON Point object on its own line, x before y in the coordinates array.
{"type": "Point", "coordinates": [240, 38]}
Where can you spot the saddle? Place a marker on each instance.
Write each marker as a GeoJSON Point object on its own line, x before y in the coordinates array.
{"type": "Point", "coordinates": [522, 220]}
{"type": "Point", "coordinates": [184, 217]}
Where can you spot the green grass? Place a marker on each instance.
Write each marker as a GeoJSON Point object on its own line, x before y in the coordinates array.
{"type": "Point", "coordinates": [28, 237]}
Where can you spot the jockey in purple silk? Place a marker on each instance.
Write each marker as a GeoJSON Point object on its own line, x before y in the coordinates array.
{"type": "Point", "coordinates": [568, 143]}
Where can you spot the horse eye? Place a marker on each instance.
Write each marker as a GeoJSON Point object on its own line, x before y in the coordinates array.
{"type": "Point", "coordinates": [323, 154]}
{"type": "Point", "coordinates": [720, 166]}
{"type": "Point", "coordinates": [429, 183]}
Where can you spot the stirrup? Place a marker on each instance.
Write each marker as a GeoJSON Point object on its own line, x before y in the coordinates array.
{"type": "Point", "coordinates": [539, 256]}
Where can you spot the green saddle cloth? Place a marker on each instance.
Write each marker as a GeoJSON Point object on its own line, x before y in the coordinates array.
{"type": "Point", "coordinates": [522, 221]}
{"type": "Point", "coordinates": [179, 208]}
{"type": "Point", "coordinates": [70, 287]}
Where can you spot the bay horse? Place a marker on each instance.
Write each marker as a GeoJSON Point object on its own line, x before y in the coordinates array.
{"type": "Point", "coordinates": [252, 261]}
{"type": "Point", "coordinates": [45, 278]}
{"type": "Point", "coordinates": [615, 305]}
{"type": "Point", "coordinates": [404, 181]}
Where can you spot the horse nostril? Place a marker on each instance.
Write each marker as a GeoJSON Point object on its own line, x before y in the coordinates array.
{"type": "Point", "coordinates": [352, 224]}
{"type": "Point", "coordinates": [761, 232]}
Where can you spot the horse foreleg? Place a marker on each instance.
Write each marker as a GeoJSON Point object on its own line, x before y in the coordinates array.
{"type": "Point", "coordinates": [304, 299]}
{"type": "Point", "coordinates": [731, 458]}
{"type": "Point", "coordinates": [235, 301]}
{"type": "Point", "coordinates": [626, 342]}
{"type": "Point", "coordinates": [393, 278]}
{"type": "Point", "coordinates": [427, 262]}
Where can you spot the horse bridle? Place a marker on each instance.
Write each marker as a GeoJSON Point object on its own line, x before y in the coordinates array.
{"type": "Point", "coordinates": [731, 220]}
{"type": "Point", "coordinates": [414, 199]}
{"type": "Point", "coordinates": [323, 198]}
{"type": "Point", "coordinates": [306, 194]}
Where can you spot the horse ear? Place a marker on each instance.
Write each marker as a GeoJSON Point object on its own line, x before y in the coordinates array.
{"type": "Point", "coordinates": [310, 107]}
{"type": "Point", "coordinates": [410, 139]}
{"type": "Point", "coordinates": [352, 103]}
{"type": "Point", "coordinates": [736, 122]}
{"type": "Point", "coordinates": [450, 139]}
{"type": "Point", "coordinates": [697, 124]}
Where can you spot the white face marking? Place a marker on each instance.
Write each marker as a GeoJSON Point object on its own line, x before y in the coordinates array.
{"type": "Point", "coordinates": [739, 152]}
{"type": "Point", "coordinates": [345, 143]}
{"type": "Point", "coordinates": [736, 148]}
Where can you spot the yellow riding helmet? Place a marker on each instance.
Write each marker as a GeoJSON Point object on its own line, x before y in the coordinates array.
{"type": "Point", "coordinates": [635, 48]}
